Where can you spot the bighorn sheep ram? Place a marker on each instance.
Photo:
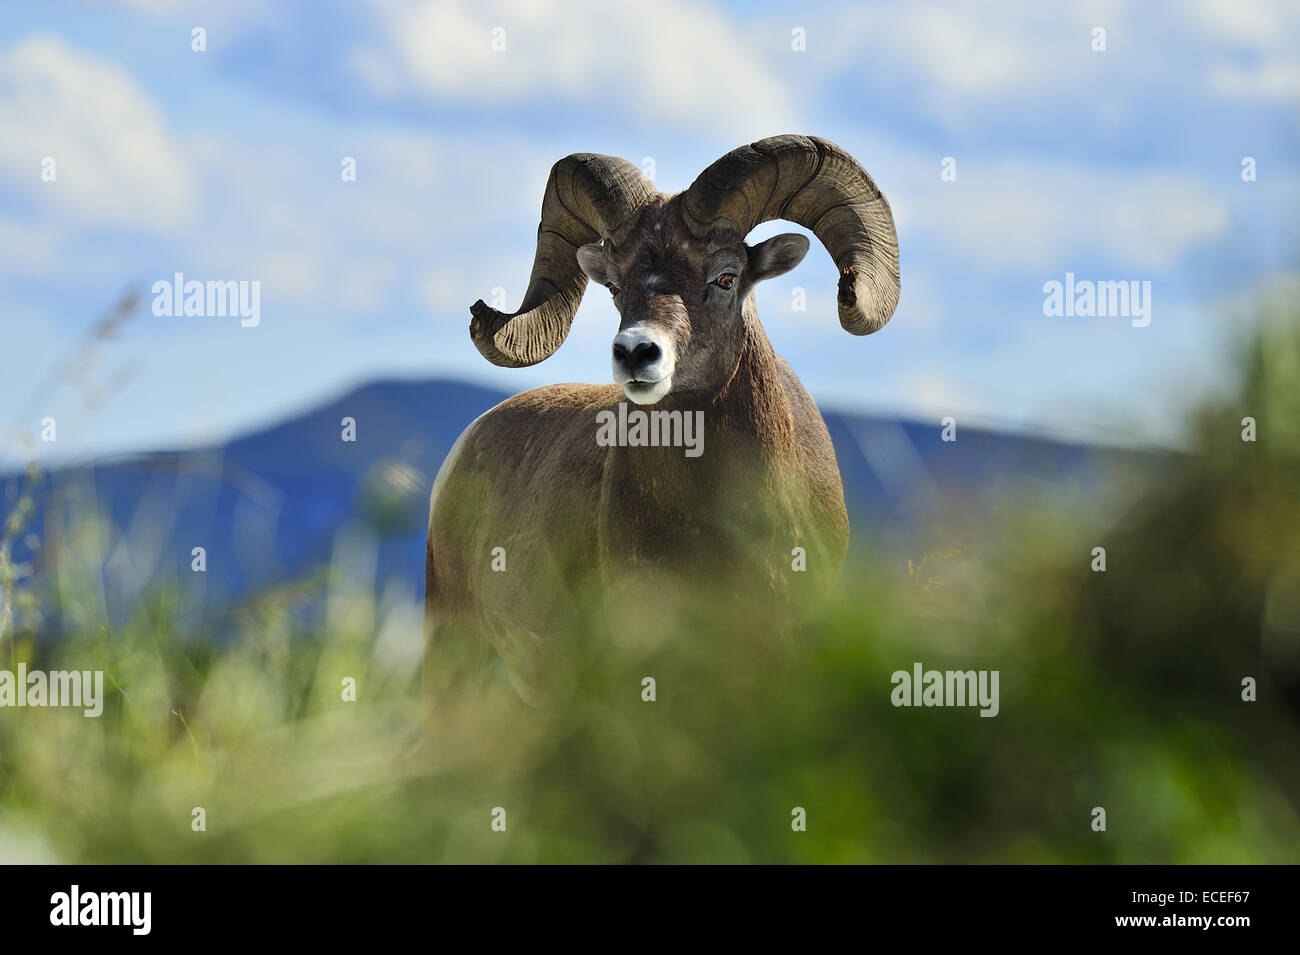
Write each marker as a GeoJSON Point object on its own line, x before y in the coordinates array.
{"type": "Point", "coordinates": [531, 488]}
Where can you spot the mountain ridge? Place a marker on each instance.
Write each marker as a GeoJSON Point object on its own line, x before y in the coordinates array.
{"type": "Point", "coordinates": [268, 505]}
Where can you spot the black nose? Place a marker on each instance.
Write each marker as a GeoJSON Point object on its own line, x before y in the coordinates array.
{"type": "Point", "coordinates": [644, 353]}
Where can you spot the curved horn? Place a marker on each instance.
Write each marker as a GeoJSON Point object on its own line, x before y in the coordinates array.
{"type": "Point", "coordinates": [588, 197]}
{"type": "Point", "coordinates": [820, 186]}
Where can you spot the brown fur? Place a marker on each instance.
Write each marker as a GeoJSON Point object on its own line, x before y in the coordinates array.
{"type": "Point", "coordinates": [529, 476]}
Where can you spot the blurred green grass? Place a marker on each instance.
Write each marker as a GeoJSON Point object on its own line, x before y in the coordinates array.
{"type": "Point", "coordinates": [1120, 690]}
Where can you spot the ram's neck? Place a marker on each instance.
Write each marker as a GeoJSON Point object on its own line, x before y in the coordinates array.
{"type": "Point", "coordinates": [754, 401]}
{"type": "Point", "coordinates": [747, 425]}
{"type": "Point", "coordinates": [724, 507]}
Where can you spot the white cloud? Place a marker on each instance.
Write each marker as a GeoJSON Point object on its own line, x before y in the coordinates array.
{"type": "Point", "coordinates": [27, 250]}
{"type": "Point", "coordinates": [114, 159]}
{"type": "Point", "coordinates": [954, 61]}
{"type": "Point", "coordinates": [151, 6]}
{"type": "Point", "coordinates": [224, 18]}
{"type": "Point", "coordinates": [1267, 32]}
{"type": "Point", "coordinates": [1037, 213]}
{"type": "Point", "coordinates": [936, 395]}
{"type": "Point", "coordinates": [365, 285]}
{"type": "Point", "coordinates": [673, 60]}
{"type": "Point", "coordinates": [962, 64]}
{"type": "Point", "coordinates": [1259, 24]}
{"type": "Point", "coordinates": [1271, 80]}
{"type": "Point", "coordinates": [398, 236]}
{"type": "Point", "coordinates": [291, 276]}
{"type": "Point", "coordinates": [963, 49]}
{"type": "Point", "coordinates": [440, 292]}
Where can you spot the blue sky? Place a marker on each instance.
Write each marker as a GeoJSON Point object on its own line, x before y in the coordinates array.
{"type": "Point", "coordinates": [225, 165]}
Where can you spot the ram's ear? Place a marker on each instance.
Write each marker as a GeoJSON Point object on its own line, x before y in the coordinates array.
{"type": "Point", "coordinates": [594, 261]}
{"type": "Point", "coordinates": [776, 256]}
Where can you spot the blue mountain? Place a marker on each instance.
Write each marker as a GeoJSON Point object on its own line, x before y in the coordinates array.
{"type": "Point", "coordinates": [268, 507]}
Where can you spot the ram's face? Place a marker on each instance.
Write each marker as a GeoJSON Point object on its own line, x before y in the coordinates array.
{"type": "Point", "coordinates": [680, 303]}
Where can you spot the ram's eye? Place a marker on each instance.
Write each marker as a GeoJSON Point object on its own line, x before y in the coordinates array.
{"type": "Point", "coordinates": [725, 280]}
{"type": "Point", "coordinates": [613, 289]}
